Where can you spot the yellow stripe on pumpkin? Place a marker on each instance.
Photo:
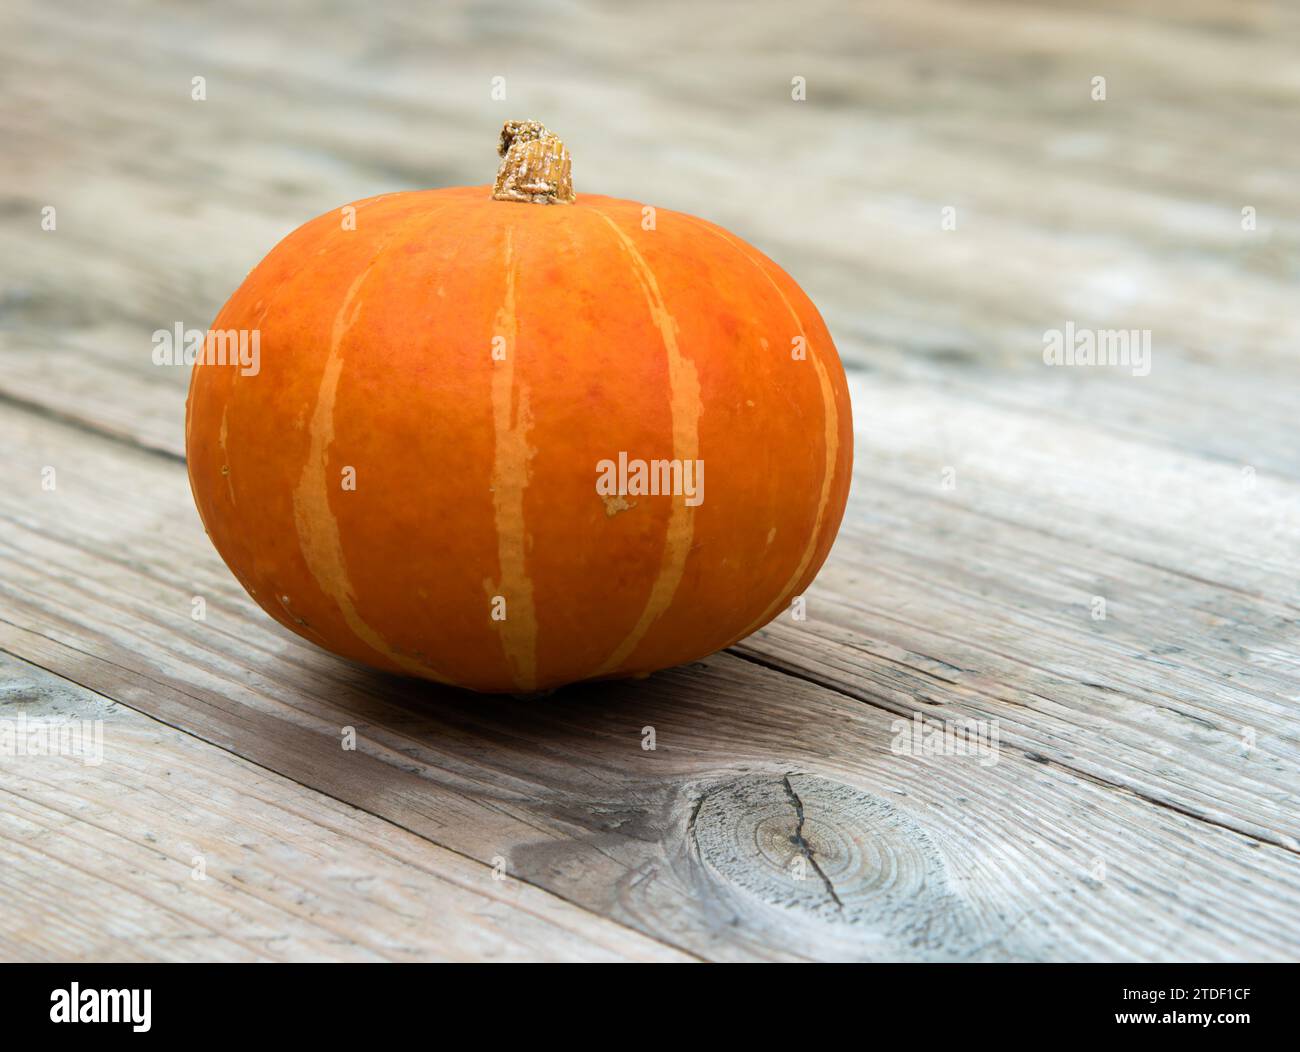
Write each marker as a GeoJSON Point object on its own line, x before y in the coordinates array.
{"type": "Point", "coordinates": [318, 530]}
{"type": "Point", "coordinates": [512, 421]}
{"type": "Point", "coordinates": [685, 407]}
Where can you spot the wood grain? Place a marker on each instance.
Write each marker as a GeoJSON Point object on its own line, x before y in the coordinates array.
{"type": "Point", "coordinates": [1144, 797]}
{"type": "Point", "coordinates": [171, 849]}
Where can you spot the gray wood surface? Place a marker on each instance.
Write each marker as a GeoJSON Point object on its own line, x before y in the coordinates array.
{"type": "Point", "coordinates": [1143, 799]}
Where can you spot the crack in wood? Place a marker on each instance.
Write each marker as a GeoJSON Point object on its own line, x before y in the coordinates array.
{"type": "Point", "coordinates": [804, 847]}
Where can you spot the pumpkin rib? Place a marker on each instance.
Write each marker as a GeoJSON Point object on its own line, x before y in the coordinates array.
{"type": "Point", "coordinates": [686, 407]}
{"type": "Point", "coordinates": [418, 576]}
{"type": "Point", "coordinates": [319, 537]}
{"type": "Point", "coordinates": [201, 381]}
{"type": "Point", "coordinates": [838, 404]}
{"type": "Point", "coordinates": [598, 379]}
{"type": "Point", "coordinates": [830, 417]}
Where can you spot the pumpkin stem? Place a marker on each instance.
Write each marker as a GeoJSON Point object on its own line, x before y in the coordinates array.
{"type": "Point", "coordinates": [535, 166]}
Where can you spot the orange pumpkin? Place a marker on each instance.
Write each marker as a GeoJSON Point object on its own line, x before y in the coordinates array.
{"type": "Point", "coordinates": [472, 445]}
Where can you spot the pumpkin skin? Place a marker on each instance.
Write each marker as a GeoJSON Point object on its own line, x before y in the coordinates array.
{"type": "Point", "coordinates": [475, 475]}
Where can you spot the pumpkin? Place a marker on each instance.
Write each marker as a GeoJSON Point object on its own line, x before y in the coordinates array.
{"type": "Point", "coordinates": [471, 446]}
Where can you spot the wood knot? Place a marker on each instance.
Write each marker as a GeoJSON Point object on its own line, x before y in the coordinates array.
{"type": "Point", "coordinates": [827, 852]}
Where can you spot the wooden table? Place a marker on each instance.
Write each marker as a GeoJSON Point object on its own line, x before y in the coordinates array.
{"type": "Point", "coordinates": [1099, 567]}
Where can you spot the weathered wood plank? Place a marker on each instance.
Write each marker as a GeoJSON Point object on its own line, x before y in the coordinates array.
{"type": "Point", "coordinates": [100, 859]}
{"type": "Point", "coordinates": [99, 586]}
{"type": "Point", "coordinates": [982, 599]}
